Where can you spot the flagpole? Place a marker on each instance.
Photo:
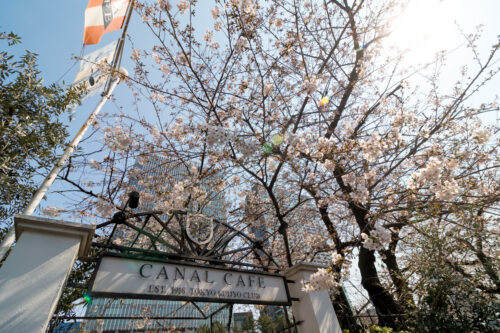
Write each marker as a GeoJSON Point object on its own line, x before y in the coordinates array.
{"type": "Point", "coordinates": [119, 47]}
{"type": "Point", "coordinates": [40, 192]}
{"type": "Point", "coordinates": [108, 90]}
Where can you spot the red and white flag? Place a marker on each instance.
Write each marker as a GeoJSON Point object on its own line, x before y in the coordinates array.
{"type": "Point", "coordinates": [102, 16]}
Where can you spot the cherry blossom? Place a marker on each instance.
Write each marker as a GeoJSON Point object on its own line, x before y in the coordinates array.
{"type": "Point", "coordinates": [393, 169]}
{"type": "Point", "coordinates": [320, 280]}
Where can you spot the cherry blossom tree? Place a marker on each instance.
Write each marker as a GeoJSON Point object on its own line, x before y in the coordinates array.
{"type": "Point", "coordinates": [296, 113]}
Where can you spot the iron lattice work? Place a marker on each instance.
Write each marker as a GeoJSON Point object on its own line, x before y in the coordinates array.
{"type": "Point", "coordinates": [160, 235]}
{"type": "Point", "coordinates": [159, 316]}
{"type": "Point", "coordinates": [165, 235]}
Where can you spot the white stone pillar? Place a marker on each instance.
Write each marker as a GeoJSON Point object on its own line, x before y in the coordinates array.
{"type": "Point", "coordinates": [314, 309]}
{"type": "Point", "coordinates": [34, 274]}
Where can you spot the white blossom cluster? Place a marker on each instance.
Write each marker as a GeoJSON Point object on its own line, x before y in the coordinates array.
{"type": "Point", "coordinates": [247, 6]}
{"type": "Point", "coordinates": [178, 130]}
{"type": "Point", "coordinates": [446, 191]}
{"type": "Point", "coordinates": [325, 145]}
{"type": "Point", "coordinates": [268, 89]}
{"type": "Point", "coordinates": [136, 55]}
{"type": "Point", "coordinates": [321, 280]}
{"type": "Point", "coordinates": [360, 193]}
{"type": "Point", "coordinates": [104, 208]}
{"type": "Point", "coordinates": [481, 135]}
{"type": "Point", "coordinates": [373, 148]}
{"type": "Point", "coordinates": [377, 239]}
{"type": "Point", "coordinates": [336, 258]}
{"type": "Point", "coordinates": [329, 165]}
{"type": "Point", "coordinates": [164, 68]}
{"type": "Point", "coordinates": [241, 44]}
{"type": "Point", "coordinates": [53, 211]}
{"type": "Point", "coordinates": [303, 143]}
{"type": "Point", "coordinates": [183, 6]}
{"type": "Point", "coordinates": [246, 148]}
{"type": "Point", "coordinates": [208, 36]}
{"type": "Point", "coordinates": [156, 57]}
{"type": "Point", "coordinates": [217, 26]}
{"type": "Point", "coordinates": [217, 135]}
{"type": "Point", "coordinates": [215, 13]}
{"type": "Point", "coordinates": [157, 97]}
{"type": "Point", "coordinates": [117, 139]}
{"type": "Point", "coordinates": [310, 84]}
{"type": "Point", "coordinates": [432, 171]}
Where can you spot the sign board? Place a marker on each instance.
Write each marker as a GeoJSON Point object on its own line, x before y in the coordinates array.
{"type": "Point", "coordinates": [134, 278]}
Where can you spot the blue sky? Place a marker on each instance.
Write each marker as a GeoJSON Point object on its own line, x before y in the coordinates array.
{"type": "Point", "coordinates": [54, 30]}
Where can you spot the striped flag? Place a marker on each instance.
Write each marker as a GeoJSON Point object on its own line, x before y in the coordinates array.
{"type": "Point", "coordinates": [102, 16]}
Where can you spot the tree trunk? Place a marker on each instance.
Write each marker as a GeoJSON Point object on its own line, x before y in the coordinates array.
{"type": "Point", "coordinates": [344, 312]}
{"type": "Point", "coordinates": [387, 308]}
{"type": "Point", "coordinates": [390, 261]}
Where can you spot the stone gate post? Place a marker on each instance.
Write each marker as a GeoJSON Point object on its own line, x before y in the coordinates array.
{"type": "Point", "coordinates": [34, 274]}
{"type": "Point", "coordinates": [315, 309]}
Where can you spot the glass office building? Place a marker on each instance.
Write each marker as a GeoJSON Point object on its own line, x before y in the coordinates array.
{"type": "Point", "coordinates": [155, 315]}
{"type": "Point", "coordinates": [160, 172]}
{"type": "Point", "coordinates": [121, 315]}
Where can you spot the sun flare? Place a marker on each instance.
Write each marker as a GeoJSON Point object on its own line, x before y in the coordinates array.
{"type": "Point", "coordinates": [424, 28]}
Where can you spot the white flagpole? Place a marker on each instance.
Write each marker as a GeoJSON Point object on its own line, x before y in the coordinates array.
{"type": "Point", "coordinates": [39, 194]}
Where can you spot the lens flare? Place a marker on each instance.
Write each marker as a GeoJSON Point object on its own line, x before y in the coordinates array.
{"type": "Point", "coordinates": [267, 148]}
{"type": "Point", "coordinates": [324, 101]}
{"type": "Point", "coordinates": [360, 48]}
{"type": "Point", "coordinates": [423, 28]}
{"type": "Point", "coordinates": [132, 264]}
{"type": "Point", "coordinates": [277, 139]}
{"type": "Point", "coordinates": [87, 298]}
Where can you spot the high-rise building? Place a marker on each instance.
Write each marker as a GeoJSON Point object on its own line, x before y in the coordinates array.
{"type": "Point", "coordinates": [69, 327]}
{"type": "Point", "coordinates": [315, 227]}
{"type": "Point", "coordinates": [164, 174]}
{"type": "Point", "coordinates": [243, 320]}
{"type": "Point", "coordinates": [156, 315]}
{"type": "Point", "coordinates": [297, 232]}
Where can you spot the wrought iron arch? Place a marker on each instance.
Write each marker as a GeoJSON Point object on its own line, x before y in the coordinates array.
{"type": "Point", "coordinates": [165, 235]}
{"type": "Point", "coordinates": [161, 235]}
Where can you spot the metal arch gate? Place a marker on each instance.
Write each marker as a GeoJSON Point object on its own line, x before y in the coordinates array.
{"type": "Point", "coordinates": [161, 236]}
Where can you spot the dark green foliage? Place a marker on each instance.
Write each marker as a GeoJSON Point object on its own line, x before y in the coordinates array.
{"type": "Point", "coordinates": [267, 324]}
{"type": "Point", "coordinates": [247, 327]}
{"type": "Point", "coordinates": [217, 327]}
{"type": "Point", "coordinates": [31, 130]}
{"type": "Point", "coordinates": [453, 305]}
{"type": "Point", "coordinates": [376, 329]}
